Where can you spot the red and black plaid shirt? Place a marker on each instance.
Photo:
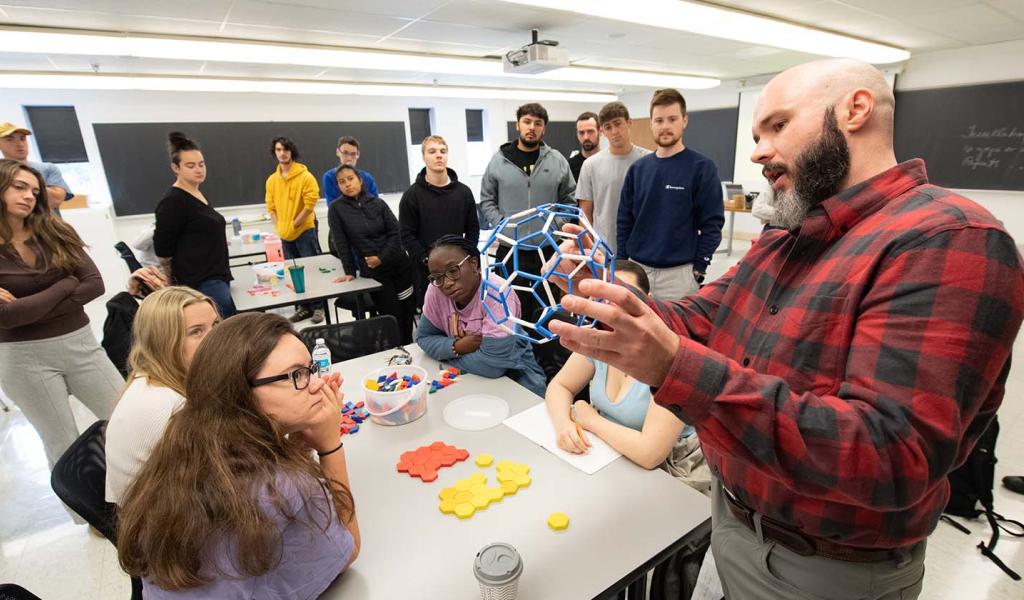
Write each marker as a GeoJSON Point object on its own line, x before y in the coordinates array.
{"type": "Point", "coordinates": [837, 374]}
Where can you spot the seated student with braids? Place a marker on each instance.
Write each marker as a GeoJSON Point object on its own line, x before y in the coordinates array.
{"type": "Point", "coordinates": [232, 502]}
{"type": "Point", "coordinates": [622, 411]}
{"type": "Point", "coordinates": [455, 326]}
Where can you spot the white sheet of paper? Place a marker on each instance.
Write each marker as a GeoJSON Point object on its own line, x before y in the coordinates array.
{"type": "Point", "coordinates": [535, 424]}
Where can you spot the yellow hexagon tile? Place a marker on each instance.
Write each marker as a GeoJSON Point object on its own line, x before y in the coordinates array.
{"type": "Point", "coordinates": [558, 521]}
{"type": "Point", "coordinates": [464, 510]}
{"type": "Point", "coordinates": [505, 465]}
{"type": "Point", "coordinates": [496, 494]}
{"type": "Point", "coordinates": [478, 478]}
{"type": "Point", "coordinates": [521, 468]}
{"type": "Point", "coordinates": [481, 502]}
{"type": "Point", "coordinates": [484, 460]}
{"type": "Point", "coordinates": [463, 485]}
{"type": "Point", "coordinates": [506, 475]}
{"type": "Point", "coordinates": [447, 506]}
{"type": "Point", "coordinates": [463, 496]}
{"type": "Point", "coordinates": [522, 480]}
{"type": "Point", "coordinates": [447, 493]}
{"type": "Point", "coordinates": [509, 487]}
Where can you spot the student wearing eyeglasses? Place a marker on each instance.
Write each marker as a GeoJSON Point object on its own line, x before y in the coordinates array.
{"type": "Point", "coordinates": [232, 502]}
{"type": "Point", "coordinates": [455, 326]}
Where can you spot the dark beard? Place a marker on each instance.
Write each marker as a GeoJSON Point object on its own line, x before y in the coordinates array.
{"type": "Point", "coordinates": [818, 173]}
{"type": "Point", "coordinates": [526, 144]}
{"type": "Point", "coordinates": [588, 146]}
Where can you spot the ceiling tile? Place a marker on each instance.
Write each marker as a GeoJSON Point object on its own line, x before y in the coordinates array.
{"type": "Point", "coordinates": [298, 36]}
{"type": "Point", "coordinates": [1012, 8]}
{"type": "Point", "coordinates": [212, 10]}
{"type": "Point", "coordinates": [111, 22]}
{"type": "Point", "coordinates": [410, 9]}
{"type": "Point", "coordinates": [974, 24]}
{"type": "Point", "coordinates": [437, 47]}
{"type": "Point", "coordinates": [903, 8]}
{"type": "Point", "coordinates": [432, 31]}
{"type": "Point", "coordinates": [250, 12]}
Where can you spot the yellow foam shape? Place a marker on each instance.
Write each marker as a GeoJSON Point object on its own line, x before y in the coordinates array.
{"type": "Point", "coordinates": [371, 385]}
{"type": "Point", "coordinates": [463, 496]}
{"type": "Point", "coordinates": [521, 469]}
{"type": "Point", "coordinates": [447, 506]}
{"type": "Point", "coordinates": [509, 487]}
{"type": "Point", "coordinates": [463, 485]}
{"type": "Point", "coordinates": [481, 501]}
{"type": "Point", "coordinates": [484, 460]}
{"type": "Point", "coordinates": [478, 478]}
{"type": "Point", "coordinates": [464, 510]}
{"type": "Point", "coordinates": [447, 493]}
{"type": "Point", "coordinates": [505, 465]}
{"type": "Point", "coordinates": [479, 490]}
{"type": "Point", "coordinates": [522, 480]}
{"type": "Point", "coordinates": [496, 493]}
{"type": "Point", "coordinates": [506, 475]}
{"type": "Point", "coordinates": [558, 521]}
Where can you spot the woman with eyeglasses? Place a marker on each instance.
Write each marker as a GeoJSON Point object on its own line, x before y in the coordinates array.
{"type": "Point", "coordinates": [232, 502]}
{"type": "Point", "coordinates": [456, 327]}
{"type": "Point", "coordinates": [364, 233]}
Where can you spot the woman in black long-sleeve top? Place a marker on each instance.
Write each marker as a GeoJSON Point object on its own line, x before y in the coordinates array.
{"type": "Point", "coordinates": [365, 234]}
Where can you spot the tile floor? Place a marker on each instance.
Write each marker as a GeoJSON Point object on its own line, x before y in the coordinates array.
{"type": "Point", "coordinates": [42, 550]}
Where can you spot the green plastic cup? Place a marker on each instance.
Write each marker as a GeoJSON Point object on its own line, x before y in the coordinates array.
{"type": "Point", "coordinates": [298, 275]}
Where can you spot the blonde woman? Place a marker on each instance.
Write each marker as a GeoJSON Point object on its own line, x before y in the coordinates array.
{"type": "Point", "coordinates": [168, 328]}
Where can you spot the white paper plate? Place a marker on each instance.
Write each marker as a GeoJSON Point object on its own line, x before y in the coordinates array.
{"type": "Point", "coordinates": [475, 412]}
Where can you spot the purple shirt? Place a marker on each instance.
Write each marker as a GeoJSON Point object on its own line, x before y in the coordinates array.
{"type": "Point", "coordinates": [310, 558]}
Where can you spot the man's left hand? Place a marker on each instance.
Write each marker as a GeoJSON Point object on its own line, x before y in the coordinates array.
{"type": "Point", "coordinates": [631, 338]}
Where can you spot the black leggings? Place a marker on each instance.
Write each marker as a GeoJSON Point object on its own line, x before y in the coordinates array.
{"type": "Point", "coordinates": [387, 302]}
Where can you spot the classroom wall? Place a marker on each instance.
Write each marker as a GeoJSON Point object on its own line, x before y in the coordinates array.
{"type": "Point", "coordinates": [98, 223]}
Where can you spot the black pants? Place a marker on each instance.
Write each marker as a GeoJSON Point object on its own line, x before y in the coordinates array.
{"type": "Point", "coordinates": [393, 283]}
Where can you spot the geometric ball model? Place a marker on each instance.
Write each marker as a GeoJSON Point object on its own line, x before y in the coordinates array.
{"type": "Point", "coordinates": [536, 231]}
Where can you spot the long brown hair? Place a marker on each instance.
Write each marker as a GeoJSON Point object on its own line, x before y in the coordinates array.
{"type": "Point", "coordinates": [66, 249]}
{"type": "Point", "coordinates": [157, 336]}
{"type": "Point", "coordinates": [219, 453]}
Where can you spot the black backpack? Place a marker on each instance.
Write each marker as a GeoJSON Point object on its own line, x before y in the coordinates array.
{"type": "Point", "coordinates": [971, 495]}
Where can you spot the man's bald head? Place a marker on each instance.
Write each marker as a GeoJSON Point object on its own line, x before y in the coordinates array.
{"type": "Point", "coordinates": [825, 83]}
{"type": "Point", "coordinates": [819, 128]}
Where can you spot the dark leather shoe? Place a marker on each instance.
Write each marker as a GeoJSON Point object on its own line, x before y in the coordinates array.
{"type": "Point", "coordinates": [1014, 483]}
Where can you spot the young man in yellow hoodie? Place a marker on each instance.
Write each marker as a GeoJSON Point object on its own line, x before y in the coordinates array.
{"type": "Point", "coordinates": [292, 194]}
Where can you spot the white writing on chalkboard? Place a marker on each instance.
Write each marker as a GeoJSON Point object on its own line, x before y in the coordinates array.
{"type": "Point", "coordinates": [997, 148]}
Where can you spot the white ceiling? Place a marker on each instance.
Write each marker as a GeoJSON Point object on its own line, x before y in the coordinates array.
{"type": "Point", "coordinates": [487, 28]}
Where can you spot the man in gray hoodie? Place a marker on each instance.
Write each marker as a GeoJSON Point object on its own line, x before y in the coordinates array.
{"type": "Point", "coordinates": [524, 174]}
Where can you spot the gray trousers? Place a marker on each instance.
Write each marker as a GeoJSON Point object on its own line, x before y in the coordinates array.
{"type": "Point", "coordinates": [39, 376]}
{"type": "Point", "coordinates": [671, 283]}
{"type": "Point", "coordinates": [753, 568]}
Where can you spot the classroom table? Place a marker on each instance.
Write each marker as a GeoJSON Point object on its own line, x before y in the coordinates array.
{"type": "Point", "coordinates": [623, 520]}
{"type": "Point", "coordinates": [239, 249]}
{"type": "Point", "coordinates": [319, 286]}
{"type": "Point", "coordinates": [732, 227]}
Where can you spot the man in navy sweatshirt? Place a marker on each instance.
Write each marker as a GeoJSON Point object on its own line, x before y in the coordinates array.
{"type": "Point", "coordinates": [671, 213]}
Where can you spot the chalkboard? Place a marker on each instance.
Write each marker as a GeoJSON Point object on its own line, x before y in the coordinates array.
{"type": "Point", "coordinates": [713, 134]}
{"type": "Point", "coordinates": [238, 158]}
{"type": "Point", "coordinates": [560, 135]}
{"type": "Point", "coordinates": [969, 137]}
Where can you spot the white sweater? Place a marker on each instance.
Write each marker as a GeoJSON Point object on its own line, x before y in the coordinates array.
{"type": "Point", "coordinates": [136, 426]}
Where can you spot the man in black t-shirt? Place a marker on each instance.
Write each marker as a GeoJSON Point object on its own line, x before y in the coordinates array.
{"type": "Point", "coordinates": [589, 137]}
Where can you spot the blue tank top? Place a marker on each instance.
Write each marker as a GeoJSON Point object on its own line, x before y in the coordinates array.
{"type": "Point", "coordinates": [631, 410]}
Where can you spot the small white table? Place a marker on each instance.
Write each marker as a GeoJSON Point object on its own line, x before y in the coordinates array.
{"type": "Point", "coordinates": [623, 519]}
{"type": "Point", "coordinates": [238, 249]}
{"type": "Point", "coordinates": [319, 286]}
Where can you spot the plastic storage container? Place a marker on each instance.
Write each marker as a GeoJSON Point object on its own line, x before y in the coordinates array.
{"type": "Point", "coordinates": [269, 274]}
{"type": "Point", "coordinates": [399, 407]}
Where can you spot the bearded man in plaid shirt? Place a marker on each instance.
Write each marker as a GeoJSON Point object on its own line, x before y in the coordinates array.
{"type": "Point", "coordinates": [846, 365]}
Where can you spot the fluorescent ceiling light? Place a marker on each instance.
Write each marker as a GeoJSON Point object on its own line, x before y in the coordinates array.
{"type": "Point", "coordinates": [278, 86]}
{"type": "Point", "coordinates": [721, 23]}
{"type": "Point", "coordinates": [93, 44]}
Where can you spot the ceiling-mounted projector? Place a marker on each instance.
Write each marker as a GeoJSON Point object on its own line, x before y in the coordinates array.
{"type": "Point", "coordinates": [536, 57]}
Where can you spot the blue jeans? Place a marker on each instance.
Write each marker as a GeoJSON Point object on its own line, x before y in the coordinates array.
{"type": "Point", "coordinates": [307, 244]}
{"type": "Point", "coordinates": [220, 292]}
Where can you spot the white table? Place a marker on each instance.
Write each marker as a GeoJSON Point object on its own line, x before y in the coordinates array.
{"type": "Point", "coordinates": [319, 286]}
{"type": "Point", "coordinates": [238, 249]}
{"type": "Point", "coordinates": [622, 519]}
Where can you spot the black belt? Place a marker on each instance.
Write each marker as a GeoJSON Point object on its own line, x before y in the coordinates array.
{"type": "Point", "coordinates": [806, 545]}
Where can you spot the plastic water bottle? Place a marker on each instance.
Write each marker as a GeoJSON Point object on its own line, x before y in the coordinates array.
{"type": "Point", "coordinates": [236, 226]}
{"type": "Point", "coordinates": [322, 356]}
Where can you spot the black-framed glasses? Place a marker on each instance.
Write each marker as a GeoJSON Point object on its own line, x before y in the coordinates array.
{"type": "Point", "coordinates": [452, 273]}
{"type": "Point", "coordinates": [300, 377]}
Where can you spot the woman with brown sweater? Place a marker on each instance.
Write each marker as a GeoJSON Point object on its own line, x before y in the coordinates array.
{"type": "Point", "coordinates": [47, 350]}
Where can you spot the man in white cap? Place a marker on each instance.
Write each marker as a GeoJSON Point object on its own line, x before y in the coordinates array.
{"type": "Point", "coordinates": [14, 145]}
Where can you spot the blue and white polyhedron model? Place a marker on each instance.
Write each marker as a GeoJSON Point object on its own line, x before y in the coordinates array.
{"type": "Point", "coordinates": [536, 230]}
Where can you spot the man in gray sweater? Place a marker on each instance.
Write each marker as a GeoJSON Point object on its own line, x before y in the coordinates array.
{"type": "Point", "coordinates": [524, 174]}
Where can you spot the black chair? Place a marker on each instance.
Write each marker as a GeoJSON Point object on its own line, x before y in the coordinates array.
{"type": "Point", "coordinates": [355, 338]}
{"type": "Point", "coordinates": [11, 591]}
{"type": "Point", "coordinates": [79, 480]}
{"type": "Point", "coordinates": [360, 305]}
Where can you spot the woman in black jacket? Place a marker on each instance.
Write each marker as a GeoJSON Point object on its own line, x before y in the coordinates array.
{"type": "Point", "coordinates": [364, 232]}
